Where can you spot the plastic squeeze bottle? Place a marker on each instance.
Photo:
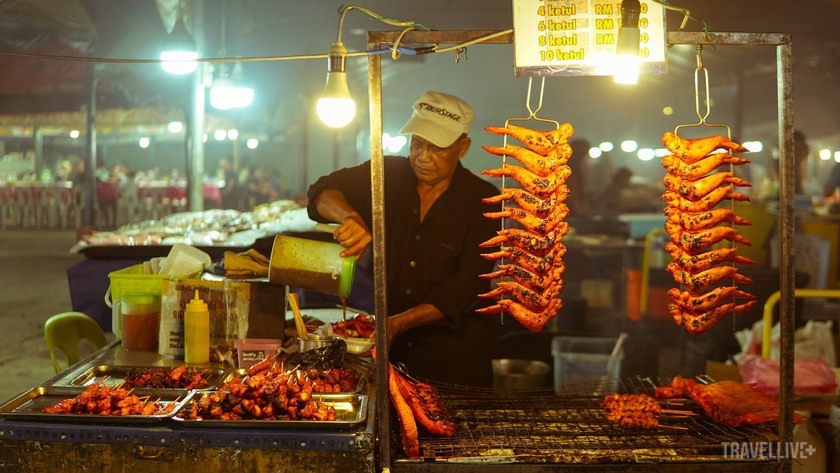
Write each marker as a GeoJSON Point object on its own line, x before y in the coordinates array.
{"type": "Point", "coordinates": [196, 332]}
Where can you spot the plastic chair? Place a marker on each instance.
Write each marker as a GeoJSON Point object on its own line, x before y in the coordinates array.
{"type": "Point", "coordinates": [6, 205]}
{"type": "Point", "coordinates": [66, 330]}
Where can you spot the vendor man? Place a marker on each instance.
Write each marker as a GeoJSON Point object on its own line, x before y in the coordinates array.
{"type": "Point", "coordinates": [434, 224]}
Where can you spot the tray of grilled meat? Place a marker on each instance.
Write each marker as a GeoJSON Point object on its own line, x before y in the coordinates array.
{"type": "Point", "coordinates": [128, 377]}
{"type": "Point", "coordinates": [95, 404]}
{"type": "Point", "coordinates": [341, 380]}
{"type": "Point", "coordinates": [280, 408]}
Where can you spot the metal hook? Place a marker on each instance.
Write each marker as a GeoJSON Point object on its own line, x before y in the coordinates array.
{"type": "Point", "coordinates": [697, 71]}
{"type": "Point", "coordinates": [458, 52]}
{"type": "Point", "coordinates": [699, 53]}
{"type": "Point", "coordinates": [702, 115]}
{"type": "Point", "coordinates": [533, 113]}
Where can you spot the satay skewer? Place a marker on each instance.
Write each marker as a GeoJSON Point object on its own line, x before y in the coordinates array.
{"type": "Point", "coordinates": [674, 427]}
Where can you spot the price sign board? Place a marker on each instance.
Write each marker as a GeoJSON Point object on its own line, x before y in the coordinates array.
{"type": "Point", "coordinates": [578, 37]}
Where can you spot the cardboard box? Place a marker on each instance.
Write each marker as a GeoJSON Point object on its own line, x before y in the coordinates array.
{"type": "Point", "coordinates": [598, 293]}
{"type": "Point", "coordinates": [722, 372]}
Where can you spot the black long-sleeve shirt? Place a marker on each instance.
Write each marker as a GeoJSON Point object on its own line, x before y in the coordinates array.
{"type": "Point", "coordinates": [436, 261]}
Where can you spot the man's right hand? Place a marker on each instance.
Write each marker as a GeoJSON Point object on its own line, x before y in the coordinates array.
{"type": "Point", "coordinates": [353, 235]}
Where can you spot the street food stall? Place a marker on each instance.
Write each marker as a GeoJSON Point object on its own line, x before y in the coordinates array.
{"type": "Point", "coordinates": [506, 428]}
{"type": "Point", "coordinates": [560, 429]}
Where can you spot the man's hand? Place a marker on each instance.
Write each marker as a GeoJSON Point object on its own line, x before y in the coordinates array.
{"type": "Point", "coordinates": [422, 314]}
{"type": "Point", "coordinates": [353, 235]}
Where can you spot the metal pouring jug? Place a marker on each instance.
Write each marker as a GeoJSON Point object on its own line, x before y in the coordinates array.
{"type": "Point", "coordinates": [311, 264]}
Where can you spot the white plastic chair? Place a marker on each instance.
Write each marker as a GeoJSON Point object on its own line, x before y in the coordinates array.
{"type": "Point", "coordinates": [128, 204]}
{"type": "Point", "coordinates": [26, 212]}
{"type": "Point", "coordinates": [6, 205]}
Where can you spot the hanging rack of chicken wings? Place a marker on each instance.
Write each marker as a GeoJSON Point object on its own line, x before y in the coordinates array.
{"type": "Point", "coordinates": [703, 230]}
{"type": "Point", "coordinates": [531, 250]}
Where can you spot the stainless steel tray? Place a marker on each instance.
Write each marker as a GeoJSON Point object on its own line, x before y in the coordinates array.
{"type": "Point", "coordinates": [350, 410]}
{"type": "Point", "coordinates": [114, 376]}
{"type": "Point", "coordinates": [30, 405]}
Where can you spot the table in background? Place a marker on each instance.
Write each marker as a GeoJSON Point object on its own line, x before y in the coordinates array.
{"type": "Point", "coordinates": [151, 201]}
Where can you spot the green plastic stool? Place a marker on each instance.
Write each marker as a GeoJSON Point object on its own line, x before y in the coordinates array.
{"type": "Point", "coordinates": [66, 330]}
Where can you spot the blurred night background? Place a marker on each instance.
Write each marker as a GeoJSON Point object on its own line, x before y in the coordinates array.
{"type": "Point", "coordinates": [297, 148]}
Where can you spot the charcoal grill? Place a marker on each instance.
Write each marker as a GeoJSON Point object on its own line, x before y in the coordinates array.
{"type": "Point", "coordinates": [544, 427]}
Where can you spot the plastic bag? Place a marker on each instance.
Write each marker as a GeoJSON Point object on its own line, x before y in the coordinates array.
{"type": "Point", "coordinates": [324, 358]}
{"type": "Point", "coordinates": [814, 340]}
{"type": "Point", "coordinates": [811, 375]}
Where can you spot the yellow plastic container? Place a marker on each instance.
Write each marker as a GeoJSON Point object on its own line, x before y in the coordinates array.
{"type": "Point", "coordinates": [132, 280]}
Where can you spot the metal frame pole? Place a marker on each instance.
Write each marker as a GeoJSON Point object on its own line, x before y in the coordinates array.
{"type": "Point", "coordinates": [380, 305]}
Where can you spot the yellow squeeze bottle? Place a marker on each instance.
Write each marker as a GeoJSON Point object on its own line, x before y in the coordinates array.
{"type": "Point", "coordinates": [196, 332]}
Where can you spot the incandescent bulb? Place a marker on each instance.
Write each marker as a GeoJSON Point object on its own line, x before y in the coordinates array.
{"type": "Point", "coordinates": [335, 107]}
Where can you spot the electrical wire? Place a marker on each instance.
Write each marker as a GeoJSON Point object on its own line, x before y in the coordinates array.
{"type": "Point", "coordinates": [474, 41]}
{"type": "Point", "coordinates": [376, 16]}
{"type": "Point", "coordinates": [59, 57]}
{"type": "Point", "coordinates": [402, 49]}
{"type": "Point", "coordinates": [687, 16]}
{"type": "Point", "coordinates": [395, 50]}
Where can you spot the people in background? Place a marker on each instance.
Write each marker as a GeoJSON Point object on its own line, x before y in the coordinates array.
{"type": "Point", "coordinates": [833, 181]}
{"type": "Point", "coordinates": [800, 155]}
{"type": "Point", "coordinates": [102, 173]}
{"type": "Point", "coordinates": [119, 172]}
{"type": "Point", "coordinates": [578, 181]}
{"type": "Point", "coordinates": [609, 199]}
{"type": "Point", "coordinates": [231, 190]}
{"type": "Point", "coordinates": [262, 188]}
{"type": "Point", "coordinates": [175, 178]}
{"type": "Point", "coordinates": [63, 169]}
{"type": "Point", "coordinates": [80, 188]}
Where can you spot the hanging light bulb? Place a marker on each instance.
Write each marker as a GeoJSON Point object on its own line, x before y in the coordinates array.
{"type": "Point", "coordinates": [627, 60]}
{"type": "Point", "coordinates": [225, 94]}
{"type": "Point", "coordinates": [335, 107]}
{"type": "Point", "coordinates": [180, 54]}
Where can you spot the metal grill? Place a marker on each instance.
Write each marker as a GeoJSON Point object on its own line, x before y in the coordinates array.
{"type": "Point", "coordinates": [545, 426]}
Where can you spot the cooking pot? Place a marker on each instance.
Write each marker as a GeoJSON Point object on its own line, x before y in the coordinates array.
{"type": "Point", "coordinates": [511, 373]}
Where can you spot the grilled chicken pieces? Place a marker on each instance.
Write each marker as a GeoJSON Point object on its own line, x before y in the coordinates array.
{"type": "Point", "coordinates": [541, 142]}
{"type": "Point", "coordinates": [531, 267]}
{"type": "Point", "coordinates": [698, 228]}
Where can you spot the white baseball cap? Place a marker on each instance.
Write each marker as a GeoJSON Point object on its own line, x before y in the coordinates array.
{"type": "Point", "coordinates": [439, 118]}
